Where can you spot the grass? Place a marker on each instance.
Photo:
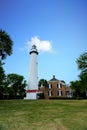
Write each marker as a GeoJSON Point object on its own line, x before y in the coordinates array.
{"type": "Point", "coordinates": [43, 115]}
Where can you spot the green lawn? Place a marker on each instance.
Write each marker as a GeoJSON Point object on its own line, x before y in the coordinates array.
{"type": "Point", "coordinates": [43, 115]}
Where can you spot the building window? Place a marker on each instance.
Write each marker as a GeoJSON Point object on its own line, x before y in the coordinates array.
{"type": "Point", "coordinates": [59, 93]}
{"type": "Point", "coordinates": [68, 93]}
{"type": "Point", "coordinates": [49, 86]}
{"type": "Point", "coordinates": [59, 85]}
{"type": "Point", "coordinates": [50, 93]}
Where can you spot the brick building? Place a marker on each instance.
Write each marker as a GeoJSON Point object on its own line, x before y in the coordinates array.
{"type": "Point", "coordinates": [56, 88]}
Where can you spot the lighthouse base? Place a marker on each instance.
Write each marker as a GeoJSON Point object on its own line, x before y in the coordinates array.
{"type": "Point", "coordinates": [31, 94]}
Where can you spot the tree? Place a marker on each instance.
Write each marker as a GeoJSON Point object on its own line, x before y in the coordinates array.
{"type": "Point", "coordinates": [42, 82]}
{"type": "Point", "coordinates": [2, 79]}
{"type": "Point", "coordinates": [82, 62]}
{"type": "Point", "coordinates": [80, 86]}
{"type": "Point", "coordinates": [82, 65]}
{"type": "Point", "coordinates": [16, 85]}
{"type": "Point", "coordinates": [5, 44]}
{"type": "Point", "coordinates": [77, 86]}
{"type": "Point", "coordinates": [5, 49]}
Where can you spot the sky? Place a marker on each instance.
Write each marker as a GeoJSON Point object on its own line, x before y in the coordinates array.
{"type": "Point", "coordinates": [57, 27]}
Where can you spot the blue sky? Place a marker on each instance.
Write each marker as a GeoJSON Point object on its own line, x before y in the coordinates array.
{"type": "Point", "coordinates": [59, 27]}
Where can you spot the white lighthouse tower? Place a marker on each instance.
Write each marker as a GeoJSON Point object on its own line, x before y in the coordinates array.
{"type": "Point", "coordinates": [32, 88]}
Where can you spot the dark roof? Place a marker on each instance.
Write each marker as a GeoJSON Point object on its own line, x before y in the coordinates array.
{"type": "Point", "coordinates": [54, 79]}
{"type": "Point", "coordinates": [62, 81]}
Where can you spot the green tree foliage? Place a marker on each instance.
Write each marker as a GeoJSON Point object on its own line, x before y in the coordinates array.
{"type": "Point", "coordinates": [16, 85]}
{"type": "Point", "coordinates": [80, 86]}
{"type": "Point", "coordinates": [2, 79]}
{"type": "Point", "coordinates": [78, 89]}
{"type": "Point", "coordinates": [82, 65]}
{"type": "Point", "coordinates": [82, 62]}
{"type": "Point", "coordinates": [5, 50]}
{"type": "Point", "coordinates": [12, 84]}
{"type": "Point", "coordinates": [43, 82]}
{"type": "Point", "coordinates": [5, 44]}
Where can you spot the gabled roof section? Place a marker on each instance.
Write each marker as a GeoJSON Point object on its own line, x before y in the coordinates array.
{"type": "Point", "coordinates": [53, 79]}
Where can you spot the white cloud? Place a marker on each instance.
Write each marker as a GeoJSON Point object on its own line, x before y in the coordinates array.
{"type": "Point", "coordinates": [42, 45]}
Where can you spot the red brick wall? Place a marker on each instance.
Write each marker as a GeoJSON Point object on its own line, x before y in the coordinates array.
{"type": "Point", "coordinates": [54, 90]}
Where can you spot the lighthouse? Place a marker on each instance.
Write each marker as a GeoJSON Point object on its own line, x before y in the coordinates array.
{"type": "Point", "coordinates": [32, 87]}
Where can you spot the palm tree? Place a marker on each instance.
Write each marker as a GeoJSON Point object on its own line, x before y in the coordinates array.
{"type": "Point", "coordinates": [5, 44]}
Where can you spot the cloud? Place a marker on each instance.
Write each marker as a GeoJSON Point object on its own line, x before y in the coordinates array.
{"type": "Point", "coordinates": [42, 45]}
